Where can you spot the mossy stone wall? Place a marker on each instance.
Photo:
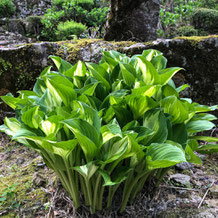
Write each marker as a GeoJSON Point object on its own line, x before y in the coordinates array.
{"type": "Point", "coordinates": [20, 66]}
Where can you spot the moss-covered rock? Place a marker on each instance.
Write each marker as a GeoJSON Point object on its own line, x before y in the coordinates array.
{"type": "Point", "coordinates": [20, 66]}
{"type": "Point", "coordinates": [197, 55]}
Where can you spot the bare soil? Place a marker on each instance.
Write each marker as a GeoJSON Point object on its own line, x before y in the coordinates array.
{"type": "Point", "coordinates": [32, 190]}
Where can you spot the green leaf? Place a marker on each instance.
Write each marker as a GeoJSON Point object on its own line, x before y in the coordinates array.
{"type": "Point", "coordinates": [149, 74]}
{"type": "Point", "coordinates": [166, 74]}
{"type": "Point", "coordinates": [205, 138]}
{"type": "Point", "coordinates": [86, 135]}
{"type": "Point", "coordinates": [164, 155]}
{"type": "Point", "coordinates": [199, 126]}
{"type": "Point", "coordinates": [10, 101]}
{"type": "Point", "coordinates": [159, 62]}
{"type": "Point", "coordinates": [88, 114]}
{"type": "Point", "coordinates": [136, 149]}
{"type": "Point", "coordinates": [32, 117]}
{"type": "Point", "coordinates": [39, 87]}
{"type": "Point", "coordinates": [208, 148]}
{"type": "Point", "coordinates": [140, 104]}
{"type": "Point", "coordinates": [175, 108]}
{"type": "Point", "coordinates": [46, 71]}
{"type": "Point", "coordinates": [11, 127]}
{"type": "Point", "coordinates": [204, 116]}
{"type": "Point", "coordinates": [183, 87]}
{"type": "Point", "coordinates": [179, 134]}
{"type": "Point", "coordinates": [61, 89]}
{"type": "Point", "coordinates": [61, 64]}
{"type": "Point", "coordinates": [110, 131]}
{"type": "Point", "coordinates": [149, 54]}
{"type": "Point", "coordinates": [204, 108]}
{"type": "Point", "coordinates": [63, 148]}
{"type": "Point", "coordinates": [114, 55]}
{"type": "Point", "coordinates": [148, 90]}
{"type": "Point", "coordinates": [108, 181]}
{"type": "Point", "coordinates": [128, 74]}
{"type": "Point", "coordinates": [79, 69]}
{"type": "Point", "coordinates": [116, 150]}
{"type": "Point", "coordinates": [190, 155]}
{"type": "Point", "coordinates": [155, 121]}
{"type": "Point", "coordinates": [88, 89]}
{"type": "Point", "coordinates": [87, 171]}
{"type": "Point", "coordinates": [169, 91]}
{"type": "Point", "coordinates": [99, 74]}
{"type": "Point", "coordinates": [51, 125]}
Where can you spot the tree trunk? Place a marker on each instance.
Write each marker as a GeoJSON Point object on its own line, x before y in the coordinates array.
{"type": "Point", "coordinates": [134, 20]}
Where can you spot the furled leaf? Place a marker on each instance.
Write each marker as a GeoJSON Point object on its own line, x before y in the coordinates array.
{"type": "Point", "coordinates": [86, 135]}
{"type": "Point", "coordinates": [87, 171]}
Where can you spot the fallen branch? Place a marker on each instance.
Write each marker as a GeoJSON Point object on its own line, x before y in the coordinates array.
{"type": "Point", "coordinates": [206, 194]}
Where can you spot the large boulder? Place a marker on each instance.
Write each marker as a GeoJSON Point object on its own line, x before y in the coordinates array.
{"type": "Point", "coordinates": [20, 66]}
{"type": "Point", "coordinates": [132, 20]}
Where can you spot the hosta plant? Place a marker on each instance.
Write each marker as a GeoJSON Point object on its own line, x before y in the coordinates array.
{"type": "Point", "coordinates": [110, 127]}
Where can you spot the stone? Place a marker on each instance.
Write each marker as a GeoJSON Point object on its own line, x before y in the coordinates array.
{"type": "Point", "coordinates": [183, 166]}
{"type": "Point", "coordinates": [20, 161]}
{"type": "Point", "coordinates": [202, 156]}
{"type": "Point", "coordinates": [16, 26]}
{"type": "Point", "coordinates": [132, 20]}
{"type": "Point", "coordinates": [182, 179]}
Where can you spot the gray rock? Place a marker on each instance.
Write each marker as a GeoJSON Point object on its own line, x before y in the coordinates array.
{"type": "Point", "coordinates": [132, 20]}
{"type": "Point", "coordinates": [202, 156]}
{"type": "Point", "coordinates": [16, 26]}
{"type": "Point", "coordinates": [183, 166]}
{"type": "Point", "coordinates": [181, 179]}
{"type": "Point", "coordinates": [20, 160]}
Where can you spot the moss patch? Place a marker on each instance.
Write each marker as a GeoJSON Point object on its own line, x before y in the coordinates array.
{"type": "Point", "coordinates": [18, 165]}
{"type": "Point", "coordinates": [194, 40]}
{"type": "Point", "coordinates": [4, 65]}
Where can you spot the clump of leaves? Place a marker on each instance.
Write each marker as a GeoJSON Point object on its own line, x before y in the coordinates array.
{"type": "Point", "coordinates": [7, 8]}
{"type": "Point", "coordinates": [68, 29]}
{"type": "Point", "coordinates": [100, 126]}
{"type": "Point", "coordinates": [8, 197]}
